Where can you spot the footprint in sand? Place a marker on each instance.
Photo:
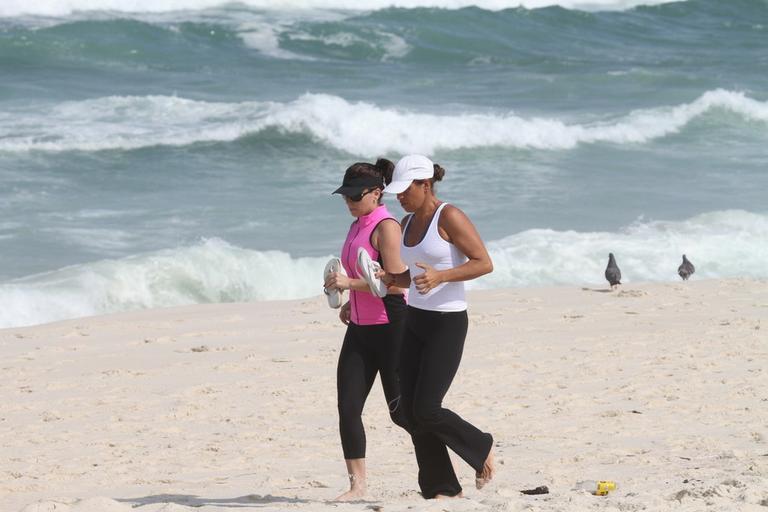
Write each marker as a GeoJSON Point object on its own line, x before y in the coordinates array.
{"type": "Point", "coordinates": [631, 293]}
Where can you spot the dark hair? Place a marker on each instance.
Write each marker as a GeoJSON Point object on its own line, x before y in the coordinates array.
{"type": "Point", "coordinates": [439, 173]}
{"type": "Point", "coordinates": [436, 176]}
{"type": "Point", "coordinates": [383, 169]}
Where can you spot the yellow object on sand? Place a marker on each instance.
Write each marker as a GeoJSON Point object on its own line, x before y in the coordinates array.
{"type": "Point", "coordinates": [604, 487]}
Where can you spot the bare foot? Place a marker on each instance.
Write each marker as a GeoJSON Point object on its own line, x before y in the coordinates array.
{"type": "Point", "coordinates": [356, 475]}
{"type": "Point", "coordinates": [486, 475]}
{"type": "Point", "coordinates": [352, 495]}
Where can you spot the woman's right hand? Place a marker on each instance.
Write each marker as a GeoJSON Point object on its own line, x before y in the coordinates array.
{"type": "Point", "coordinates": [345, 314]}
{"type": "Point", "coordinates": [337, 281]}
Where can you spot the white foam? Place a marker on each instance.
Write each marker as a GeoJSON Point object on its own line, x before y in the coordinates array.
{"type": "Point", "coordinates": [262, 31]}
{"type": "Point", "coordinates": [359, 128]}
{"type": "Point", "coordinates": [720, 244]}
{"type": "Point", "coordinates": [266, 39]}
{"type": "Point", "coordinates": [212, 271]}
{"type": "Point", "coordinates": [118, 122]}
{"type": "Point", "coordinates": [10, 8]}
{"type": "Point", "coordinates": [393, 46]}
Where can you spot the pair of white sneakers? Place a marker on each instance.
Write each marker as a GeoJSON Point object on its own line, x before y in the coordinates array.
{"type": "Point", "coordinates": [366, 267]}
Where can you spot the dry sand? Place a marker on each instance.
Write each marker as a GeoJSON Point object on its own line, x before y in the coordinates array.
{"type": "Point", "coordinates": [660, 387]}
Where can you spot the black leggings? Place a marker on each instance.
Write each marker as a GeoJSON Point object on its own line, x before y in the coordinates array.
{"type": "Point", "coordinates": [430, 356]}
{"type": "Point", "coordinates": [367, 350]}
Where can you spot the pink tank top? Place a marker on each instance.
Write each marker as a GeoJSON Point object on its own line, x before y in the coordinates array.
{"type": "Point", "coordinates": [367, 309]}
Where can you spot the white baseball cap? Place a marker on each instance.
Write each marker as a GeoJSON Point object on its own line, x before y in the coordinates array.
{"type": "Point", "coordinates": [409, 168]}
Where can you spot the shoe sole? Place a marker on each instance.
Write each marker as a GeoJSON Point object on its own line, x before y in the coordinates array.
{"type": "Point", "coordinates": [334, 296]}
{"type": "Point", "coordinates": [367, 269]}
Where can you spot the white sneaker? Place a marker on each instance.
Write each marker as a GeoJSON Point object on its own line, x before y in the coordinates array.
{"type": "Point", "coordinates": [335, 297]}
{"type": "Point", "coordinates": [368, 268]}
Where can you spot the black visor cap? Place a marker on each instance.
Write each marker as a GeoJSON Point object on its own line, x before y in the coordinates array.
{"type": "Point", "coordinates": [353, 185]}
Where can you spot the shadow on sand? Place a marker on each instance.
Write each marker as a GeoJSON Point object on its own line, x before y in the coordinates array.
{"type": "Point", "coordinates": [597, 290]}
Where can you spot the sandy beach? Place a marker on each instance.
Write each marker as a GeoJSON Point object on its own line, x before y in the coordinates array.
{"type": "Point", "coordinates": [660, 387]}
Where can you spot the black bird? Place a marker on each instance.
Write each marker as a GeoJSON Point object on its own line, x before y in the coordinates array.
{"type": "Point", "coordinates": [686, 268]}
{"type": "Point", "coordinates": [612, 272]}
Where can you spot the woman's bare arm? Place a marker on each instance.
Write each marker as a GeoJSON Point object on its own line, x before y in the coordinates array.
{"type": "Point", "coordinates": [456, 227]}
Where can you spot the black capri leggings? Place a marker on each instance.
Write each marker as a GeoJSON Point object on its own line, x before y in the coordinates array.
{"type": "Point", "coordinates": [432, 347]}
{"type": "Point", "coordinates": [367, 350]}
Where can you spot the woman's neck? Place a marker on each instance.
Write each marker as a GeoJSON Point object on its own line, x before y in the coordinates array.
{"type": "Point", "coordinates": [376, 207]}
{"type": "Point", "coordinates": [428, 207]}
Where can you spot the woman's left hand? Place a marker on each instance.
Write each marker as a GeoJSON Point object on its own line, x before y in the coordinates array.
{"type": "Point", "coordinates": [337, 281]}
{"type": "Point", "coordinates": [386, 278]}
{"type": "Point", "coordinates": [428, 280]}
{"type": "Point", "coordinates": [345, 314]}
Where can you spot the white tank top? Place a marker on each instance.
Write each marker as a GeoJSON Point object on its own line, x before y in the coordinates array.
{"type": "Point", "coordinates": [440, 254]}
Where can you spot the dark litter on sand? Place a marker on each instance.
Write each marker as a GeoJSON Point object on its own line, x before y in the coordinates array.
{"type": "Point", "coordinates": [542, 489]}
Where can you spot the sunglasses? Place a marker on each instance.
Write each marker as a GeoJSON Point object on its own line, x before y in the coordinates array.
{"type": "Point", "coordinates": [357, 197]}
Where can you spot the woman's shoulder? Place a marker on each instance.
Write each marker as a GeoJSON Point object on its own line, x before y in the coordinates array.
{"type": "Point", "coordinates": [453, 219]}
{"type": "Point", "coordinates": [451, 213]}
{"type": "Point", "coordinates": [388, 224]}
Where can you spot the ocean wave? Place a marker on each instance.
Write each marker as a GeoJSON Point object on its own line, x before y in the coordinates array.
{"type": "Point", "coordinates": [13, 8]}
{"type": "Point", "coordinates": [732, 243]}
{"type": "Point", "coordinates": [721, 244]}
{"type": "Point", "coordinates": [210, 35]}
{"type": "Point", "coordinates": [542, 38]}
{"type": "Point", "coordinates": [359, 128]}
{"type": "Point", "coordinates": [361, 43]}
{"type": "Point", "coordinates": [211, 271]}
{"type": "Point", "coordinates": [274, 35]}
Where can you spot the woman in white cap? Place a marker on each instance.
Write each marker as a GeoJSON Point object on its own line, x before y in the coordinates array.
{"type": "Point", "coordinates": [374, 324]}
{"type": "Point", "coordinates": [442, 249]}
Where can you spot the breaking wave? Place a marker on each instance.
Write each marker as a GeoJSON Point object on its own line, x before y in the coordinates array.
{"type": "Point", "coordinates": [359, 128]}
{"type": "Point", "coordinates": [721, 244]}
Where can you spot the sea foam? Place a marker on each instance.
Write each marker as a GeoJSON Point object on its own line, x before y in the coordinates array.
{"type": "Point", "coordinates": [359, 128]}
{"type": "Point", "coordinates": [10, 8]}
{"type": "Point", "coordinates": [731, 243]}
{"type": "Point", "coordinates": [721, 244]}
{"type": "Point", "coordinates": [211, 271]}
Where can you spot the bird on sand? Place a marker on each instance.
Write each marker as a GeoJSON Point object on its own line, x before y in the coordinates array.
{"type": "Point", "coordinates": [686, 268]}
{"type": "Point", "coordinates": [612, 272]}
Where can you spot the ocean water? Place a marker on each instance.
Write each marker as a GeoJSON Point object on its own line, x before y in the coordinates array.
{"type": "Point", "coordinates": [167, 152]}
